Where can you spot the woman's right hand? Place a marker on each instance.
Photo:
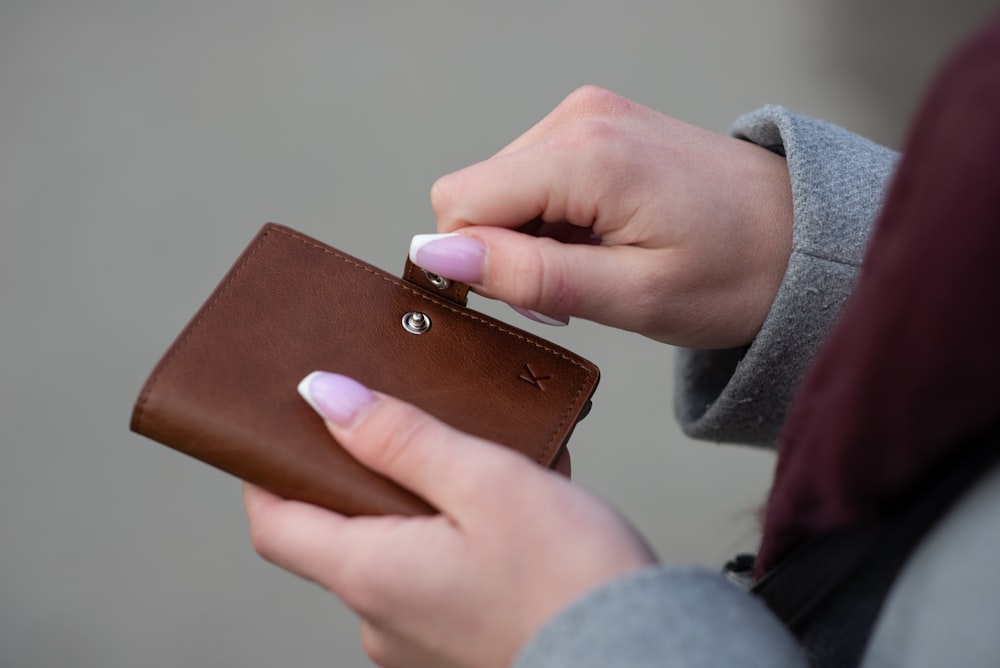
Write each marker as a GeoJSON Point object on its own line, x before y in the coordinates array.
{"type": "Point", "coordinates": [616, 213]}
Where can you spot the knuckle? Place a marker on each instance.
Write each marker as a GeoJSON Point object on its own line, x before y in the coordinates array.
{"type": "Point", "coordinates": [258, 539]}
{"type": "Point", "coordinates": [441, 193]}
{"type": "Point", "coordinates": [588, 137]}
{"type": "Point", "coordinates": [388, 435]}
{"type": "Point", "coordinates": [541, 282]}
{"type": "Point", "coordinates": [359, 595]}
{"type": "Point", "coordinates": [530, 264]}
{"type": "Point", "coordinates": [263, 538]}
{"type": "Point", "coordinates": [557, 294]}
{"type": "Point", "coordinates": [595, 100]}
{"type": "Point", "coordinates": [375, 645]}
{"type": "Point", "coordinates": [528, 274]}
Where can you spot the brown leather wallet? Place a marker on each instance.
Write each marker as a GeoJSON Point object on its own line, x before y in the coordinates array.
{"type": "Point", "coordinates": [224, 392]}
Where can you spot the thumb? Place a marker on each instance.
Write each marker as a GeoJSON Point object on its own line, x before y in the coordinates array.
{"type": "Point", "coordinates": [430, 458]}
{"type": "Point", "coordinates": [542, 274]}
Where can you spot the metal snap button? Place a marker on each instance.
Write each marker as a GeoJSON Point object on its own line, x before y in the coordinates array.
{"type": "Point", "coordinates": [438, 282]}
{"type": "Point", "coordinates": [416, 322]}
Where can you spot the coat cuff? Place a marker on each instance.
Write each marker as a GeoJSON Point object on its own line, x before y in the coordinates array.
{"type": "Point", "coordinates": [838, 185]}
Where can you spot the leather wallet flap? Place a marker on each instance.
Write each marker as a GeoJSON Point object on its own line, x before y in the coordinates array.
{"type": "Point", "coordinates": [450, 290]}
{"type": "Point", "coordinates": [225, 390]}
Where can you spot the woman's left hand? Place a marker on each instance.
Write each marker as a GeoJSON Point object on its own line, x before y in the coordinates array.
{"type": "Point", "coordinates": [514, 543]}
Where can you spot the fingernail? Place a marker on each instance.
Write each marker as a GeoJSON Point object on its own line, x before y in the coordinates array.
{"type": "Point", "coordinates": [336, 398]}
{"type": "Point", "coordinates": [452, 255]}
{"type": "Point", "coordinates": [555, 321]}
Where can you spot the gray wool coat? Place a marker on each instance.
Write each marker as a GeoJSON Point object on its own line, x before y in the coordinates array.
{"type": "Point", "coordinates": [944, 608]}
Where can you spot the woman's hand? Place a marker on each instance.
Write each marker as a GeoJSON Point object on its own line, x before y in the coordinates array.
{"type": "Point", "coordinates": [514, 543]}
{"type": "Point", "coordinates": [694, 228]}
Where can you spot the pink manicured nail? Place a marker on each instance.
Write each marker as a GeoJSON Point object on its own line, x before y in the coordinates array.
{"type": "Point", "coordinates": [556, 321]}
{"type": "Point", "coordinates": [336, 398]}
{"type": "Point", "coordinates": [453, 256]}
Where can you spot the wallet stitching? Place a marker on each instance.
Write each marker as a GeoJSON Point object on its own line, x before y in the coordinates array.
{"type": "Point", "coordinates": [451, 307]}
{"type": "Point", "coordinates": [236, 271]}
{"type": "Point", "coordinates": [420, 293]}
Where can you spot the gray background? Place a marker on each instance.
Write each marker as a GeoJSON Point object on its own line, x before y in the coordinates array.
{"type": "Point", "coordinates": [143, 143]}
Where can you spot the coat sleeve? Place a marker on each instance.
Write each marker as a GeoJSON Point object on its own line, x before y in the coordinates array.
{"type": "Point", "coordinates": [838, 183]}
{"type": "Point", "coordinates": [664, 616]}
{"type": "Point", "coordinates": [689, 616]}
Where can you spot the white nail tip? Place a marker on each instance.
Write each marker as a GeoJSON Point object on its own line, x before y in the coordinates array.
{"type": "Point", "coordinates": [421, 240]}
{"type": "Point", "coordinates": [304, 389]}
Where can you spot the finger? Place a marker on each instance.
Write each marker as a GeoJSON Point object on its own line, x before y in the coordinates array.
{"type": "Point", "coordinates": [568, 143]}
{"type": "Point", "coordinates": [543, 275]}
{"type": "Point", "coordinates": [517, 188]}
{"type": "Point", "coordinates": [287, 533]}
{"type": "Point", "coordinates": [605, 284]}
{"type": "Point", "coordinates": [443, 465]}
{"type": "Point", "coordinates": [357, 558]}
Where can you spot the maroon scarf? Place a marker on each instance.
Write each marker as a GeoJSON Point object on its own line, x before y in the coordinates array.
{"type": "Point", "coordinates": [911, 373]}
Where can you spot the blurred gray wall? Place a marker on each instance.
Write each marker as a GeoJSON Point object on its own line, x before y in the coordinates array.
{"type": "Point", "coordinates": [142, 144]}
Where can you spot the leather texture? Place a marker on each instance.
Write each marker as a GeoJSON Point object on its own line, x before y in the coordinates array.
{"type": "Point", "coordinates": [224, 392]}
